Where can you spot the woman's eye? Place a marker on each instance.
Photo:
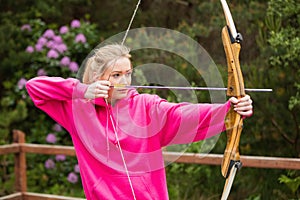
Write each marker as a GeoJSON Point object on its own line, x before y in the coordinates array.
{"type": "Point", "coordinates": [115, 75]}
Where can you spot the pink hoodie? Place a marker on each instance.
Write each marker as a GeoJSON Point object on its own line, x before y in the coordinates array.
{"type": "Point", "coordinates": [144, 124]}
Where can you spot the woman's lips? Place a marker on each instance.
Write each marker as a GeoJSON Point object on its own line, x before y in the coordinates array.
{"type": "Point", "coordinates": [122, 90]}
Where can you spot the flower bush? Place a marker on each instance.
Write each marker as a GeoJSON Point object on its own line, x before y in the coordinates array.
{"type": "Point", "coordinates": [52, 50]}
{"type": "Point", "coordinates": [58, 52]}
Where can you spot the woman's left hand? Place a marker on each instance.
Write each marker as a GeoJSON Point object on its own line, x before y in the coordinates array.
{"type": "Point", "coordinates": [243, 106]}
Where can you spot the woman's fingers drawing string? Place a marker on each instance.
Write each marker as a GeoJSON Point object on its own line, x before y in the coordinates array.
{"type": "Point", "coordinates": [97, 89]}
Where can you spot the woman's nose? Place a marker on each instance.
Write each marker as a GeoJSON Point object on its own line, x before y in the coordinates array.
{"type": "Point", "coordinates": [123, 80]}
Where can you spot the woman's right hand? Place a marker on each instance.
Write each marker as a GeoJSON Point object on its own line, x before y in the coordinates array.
{"type": "Point", "coordinates": [97, 89]}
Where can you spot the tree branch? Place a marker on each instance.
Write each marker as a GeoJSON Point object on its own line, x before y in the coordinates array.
{"type": "Point", "coordinates": [284, 135]}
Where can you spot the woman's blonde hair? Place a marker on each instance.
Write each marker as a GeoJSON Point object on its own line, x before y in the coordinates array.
{"type": "Point", "coordinates": [103, 58]}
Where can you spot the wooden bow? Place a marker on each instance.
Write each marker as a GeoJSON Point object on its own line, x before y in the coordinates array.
{"type": "Point", "coordinates": [234, 122]}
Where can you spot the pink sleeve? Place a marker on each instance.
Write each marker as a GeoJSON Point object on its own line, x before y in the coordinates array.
{"type": "Point", "coordinates": [54, 96]}
{"type": "Point", "coordinates": [45, 88]}
{"type": "Point", "coordinates": [185, 123]}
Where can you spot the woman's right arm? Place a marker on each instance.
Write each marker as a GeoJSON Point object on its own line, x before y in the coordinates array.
{"type": "Point", "coordinates": [42, 89]}
{"type": "Point", "coordinates": [54, 96]}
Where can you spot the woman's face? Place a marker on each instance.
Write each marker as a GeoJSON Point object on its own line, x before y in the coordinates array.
{"type": "Point", "coordinates": [119, 74]}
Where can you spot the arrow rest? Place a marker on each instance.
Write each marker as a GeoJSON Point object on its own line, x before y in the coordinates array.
{"type": "Point", "coordinates": [239, 38]}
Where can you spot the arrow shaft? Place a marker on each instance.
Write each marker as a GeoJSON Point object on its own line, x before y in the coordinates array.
{"type": "Point", "coordinates": [188, 88]}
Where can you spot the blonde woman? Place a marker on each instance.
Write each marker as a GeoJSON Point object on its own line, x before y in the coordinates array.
{"type": "Point", "coordinates": [118, 133]}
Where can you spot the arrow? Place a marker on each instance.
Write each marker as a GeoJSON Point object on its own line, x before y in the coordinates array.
{"type": "Point", "coordinates": [186, 88]}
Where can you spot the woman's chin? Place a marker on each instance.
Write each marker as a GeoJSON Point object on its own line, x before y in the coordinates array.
{"type": "Point", "coordinates": [120, 95]}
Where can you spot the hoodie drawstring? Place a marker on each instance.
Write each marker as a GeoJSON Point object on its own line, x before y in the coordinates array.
{"type": "Point", "coordinates": [119, 146]}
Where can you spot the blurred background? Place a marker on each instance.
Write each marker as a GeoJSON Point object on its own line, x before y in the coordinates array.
{"type": "Point", "coordinates": [53, 38]}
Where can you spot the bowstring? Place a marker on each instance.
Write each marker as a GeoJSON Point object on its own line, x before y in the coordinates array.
{"type": "Point", "coordinates": [121, 153]}
{"type": "Point", "coordinates": [128, 28]}
{"type": "Point", "coordinates": [131, 20]}
{"type": "Point", "coordinates": [110, 115]}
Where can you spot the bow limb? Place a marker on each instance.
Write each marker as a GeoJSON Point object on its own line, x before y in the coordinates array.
{"type": "Point", "coordinates": [234, 122]}
{"type": "Point", "coordinates": [229, 180]}
{"type": "Point", "coordinates": [229, 20]}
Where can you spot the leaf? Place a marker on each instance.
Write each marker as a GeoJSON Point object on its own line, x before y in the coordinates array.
{"type": "Point", "coordinates": [292, 183]}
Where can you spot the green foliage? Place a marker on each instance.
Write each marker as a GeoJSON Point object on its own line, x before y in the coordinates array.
{"type": "Point", "coordinates": [285, 50]}
{"type": "Point", "coordinates": [7, 174]}
{"type": "Point", "coordinates": [285, 41]}
{"type": "Point", "coordinates": [193, 182]}
{"type": "Point", "coordinates": [292, 180]}
{"type": "Point", "coordinates": [10, 115]}
{"type": "Point", "coordinates": [279, 43]}
{"type": "Point", "coordinates": [63, 178]}
{"type": "Point", "coordinates": [295, 100]}
{"type": "Point", "coordinates": [46, 49]}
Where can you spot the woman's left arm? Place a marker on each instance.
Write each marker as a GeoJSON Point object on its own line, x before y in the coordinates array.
{"type": "Point", "coordinates": [187, 123]}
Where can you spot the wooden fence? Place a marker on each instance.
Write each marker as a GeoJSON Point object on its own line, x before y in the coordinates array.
{"type": "Point", "coordinates": [19, 148]}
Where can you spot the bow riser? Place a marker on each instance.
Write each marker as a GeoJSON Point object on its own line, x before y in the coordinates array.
{"type": "Point", "coordinates": [233, 122]}
{"type": "Point", "coordinates": [235, 77]}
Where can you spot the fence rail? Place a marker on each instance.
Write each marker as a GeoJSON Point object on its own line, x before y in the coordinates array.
{"type": "Point", "coordinates": [19, 148]}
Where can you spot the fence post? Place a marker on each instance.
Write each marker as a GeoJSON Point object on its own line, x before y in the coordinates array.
{"type": "Point", "coordinates": [20, 163]}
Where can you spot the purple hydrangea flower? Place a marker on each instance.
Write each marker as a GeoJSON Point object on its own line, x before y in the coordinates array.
{"type": "Point", "coordinates": [57, 128]}
{"type": "Point", "coordinates": [49, 34]}
{"type": "Point", "coordinates": [76, 168]}
{"type": "Point", "coordinates": [38, 47]}
{"type": "Point", "coordinates": [65, 61]}
{"type": "Point", "coordinates": [73, 66]}
{"type": "Point", "coordinates": [60, 157]}
{"type": "Point", "coordinates": [29, 49]}
{"type": "Point", "coordinates": [42, 41]}
{"type": "Point", "coordinates": [50, 44]}
{"type": "Point", "coordinates": [51, 138]}
{"type": "Point", "coordinates": [63, 30]}
{"type": "Point", "coordinates": [72, 177]}
{"type": "Point", "coordinates": [75, 23]}
{"type": "Point", "coordinates": [61, 48]}
{"type": "Point", "coordinates": [57, 39]}
{"type": "Point", "coordinates": [52, 54]}
{"type": "Point", "coordinates": [50, 164]}
{"type": "Point", "coordinates": [80, 38]}
{"type": "Point", "coordinates": [21, 83]}
{"type": "Point", "coordinates": [41, 72]}
{"type": "Point", "coordinates": [26, 27]}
